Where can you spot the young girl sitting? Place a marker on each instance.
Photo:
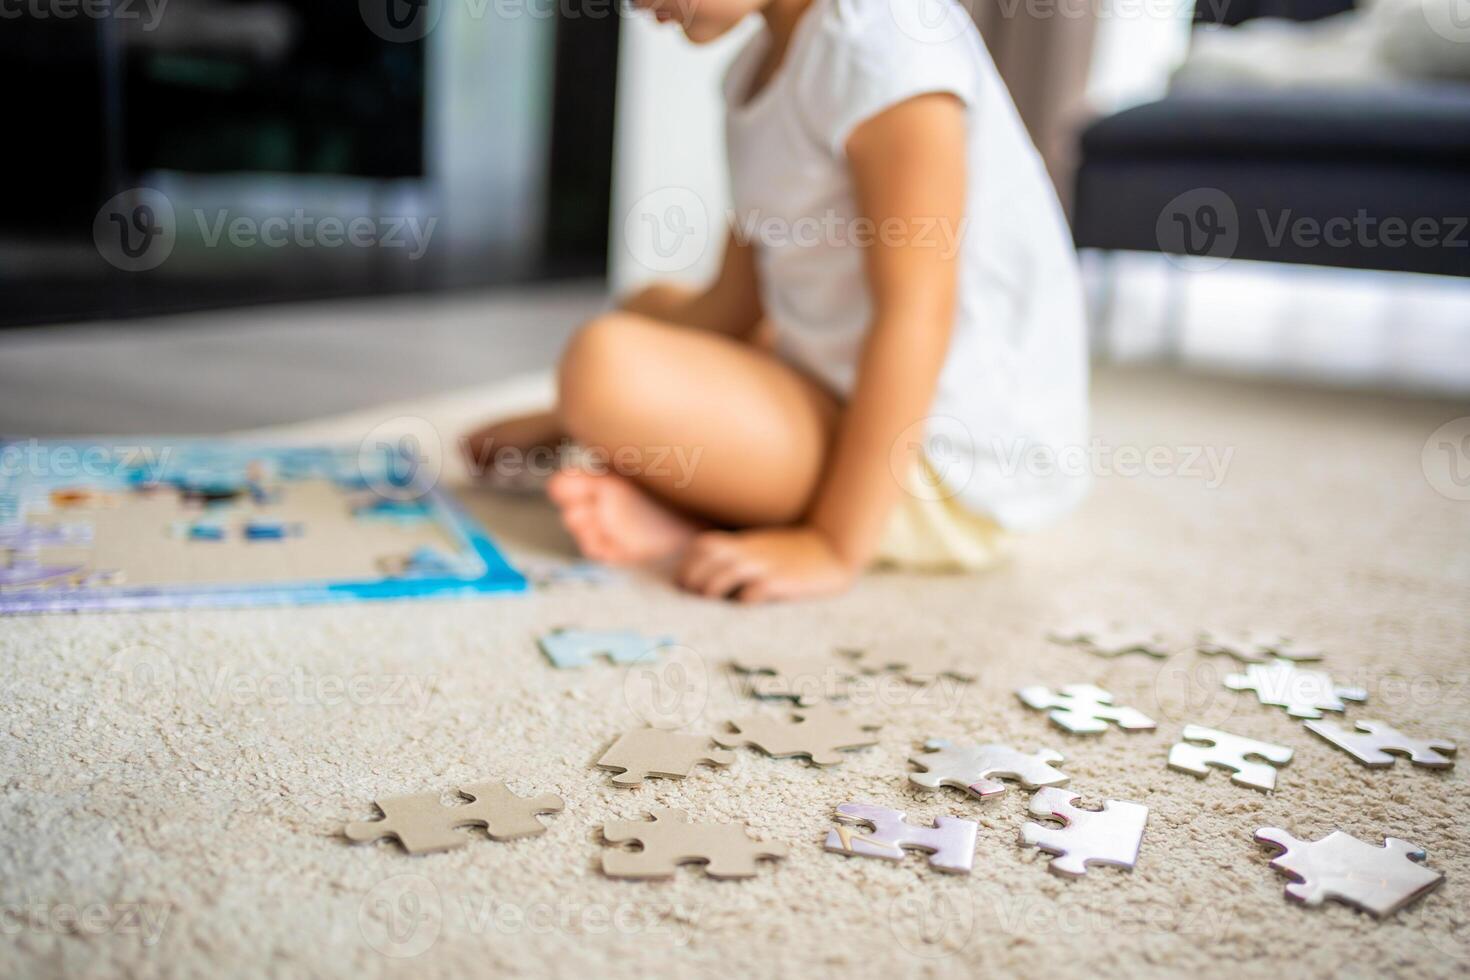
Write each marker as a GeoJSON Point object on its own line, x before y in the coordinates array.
{"type": "Point", "coordinates": [876, 391]}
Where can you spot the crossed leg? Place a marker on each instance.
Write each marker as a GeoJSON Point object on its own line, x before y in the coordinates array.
{"type": "Point", "coordinates": [698, 429]}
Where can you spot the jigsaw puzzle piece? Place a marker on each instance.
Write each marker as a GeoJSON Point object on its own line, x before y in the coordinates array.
{"type": "Point", "coordinates": [30, 574]}
{"type": "Point", "coordinates": [917, 664]}
{"type": "Point", "coordinates": [1083, 709]}
{"type": "Point", "coordinates": [577, 648]}
{"type": "Point", "coordinates": [647, 752]}
{"type": "Point", "coordinates": [270, 530]}
{"type": "Point", "coordinates": [1303, 693]}
{"type": "Point", "coordinates": [820, 733]}
{"type": "Point", "coordinates": [30, 538]}
{"type": "Point", "coordinates": [807, 680]}
{"type": "Point", "coordinates": [1253, 647]}
{"type": "Point", "coordinates": [1226, 751]}
{"type": "Point", "coordinates": [424, 825]}
{"type": "Point", "coordinates": [670, 839]}
{"type": "Point", "coordinates": [1375, 743]}
{"type": "Point", "coordinates": [950, 841]}
{"type": "Point", "coordinates": [1378, 880]}
{"type": "Point", "coordinates": [1111, 640]}
{"type": "Point", "coordinates": [1111, 835]}
{"type": "Point", "coordinates": [978, 769]}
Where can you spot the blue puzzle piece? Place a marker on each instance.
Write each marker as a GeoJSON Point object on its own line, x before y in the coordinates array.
{"type": "Point", "coordinates": [578, 648]}
{"type": "Point", "coordinates": [270, 531]}
{"type": "Point", "coordinates": [428, 563]}
{"type": "Point", "coordinates": [398, 511]}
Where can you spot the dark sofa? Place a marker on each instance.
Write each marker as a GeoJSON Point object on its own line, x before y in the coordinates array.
{"type": "Point", "coordinates": [1372, 178]}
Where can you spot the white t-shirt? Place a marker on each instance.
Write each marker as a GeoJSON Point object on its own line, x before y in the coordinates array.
{"type": "Point", "coordinates": [1011, 405]}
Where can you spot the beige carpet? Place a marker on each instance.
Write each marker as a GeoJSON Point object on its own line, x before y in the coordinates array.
{"type": "Point", "coordinates": [175, 782]}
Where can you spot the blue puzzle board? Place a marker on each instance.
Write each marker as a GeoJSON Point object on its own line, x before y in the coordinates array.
{"type": "Point", "coordinates": [164, 523]}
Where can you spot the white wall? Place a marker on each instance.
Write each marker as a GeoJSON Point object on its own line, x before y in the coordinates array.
{"type": "Point", "coordinates": [1139, 44]}
{"type": "Point", "coordinates": [669, 164]}
{"type": "Point", "coordinates": [669, 154]}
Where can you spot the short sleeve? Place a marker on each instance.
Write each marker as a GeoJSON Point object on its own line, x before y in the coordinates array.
{"type": "Point", "coordinates": [867, 58]}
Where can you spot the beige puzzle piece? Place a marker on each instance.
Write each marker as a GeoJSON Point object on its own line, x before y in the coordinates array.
{"type": "Point", "coordinates": [423, 824]}
{"type": "Point", "coordinates": [1253, 646]}
{"type": "Point", "coordinates": [918, 664]}
{"type": "Point", "coordinates": [646, 752]}
{"type": "Point", "coordinates": [670, 839]}
{"type": "Point", "coordinates": [805, 679]}
{"type": "Point", "coordinates": [1111, 640]}
{"type": "Point", "coordinates": [819, 732]}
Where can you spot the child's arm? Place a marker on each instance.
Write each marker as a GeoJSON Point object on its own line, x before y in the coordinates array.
{"type": "Point", "coordinates": [730, 305]}
{"type": "Point", "coordinates": [908, 167]}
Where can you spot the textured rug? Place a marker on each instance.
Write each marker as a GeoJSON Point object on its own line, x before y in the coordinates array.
{"type": "Point", "coordinates": [176, 783]}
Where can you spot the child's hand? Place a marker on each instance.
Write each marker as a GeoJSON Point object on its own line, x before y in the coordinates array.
{"type": "Point", "coordinates": [765, 566]}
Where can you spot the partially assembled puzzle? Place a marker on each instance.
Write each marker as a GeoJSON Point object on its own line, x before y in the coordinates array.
{"type": "Point", "coordinates": [189, 523]}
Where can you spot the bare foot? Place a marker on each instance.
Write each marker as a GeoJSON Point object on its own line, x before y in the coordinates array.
{"type": "Point", "coordinates": [614, 521]}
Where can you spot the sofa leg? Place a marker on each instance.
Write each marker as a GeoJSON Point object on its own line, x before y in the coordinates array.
{"type": "Point", "coordinates": [1102, 304]}
{"type": "Point", "coordinates": [1176, 306]}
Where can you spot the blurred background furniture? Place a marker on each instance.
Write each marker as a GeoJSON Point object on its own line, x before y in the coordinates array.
{"type": "Point", "coordinates": [498, 128]}
{"type": "Point", "coordinates": [1168, 172]}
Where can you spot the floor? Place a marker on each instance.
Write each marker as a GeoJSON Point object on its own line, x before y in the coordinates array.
{"type": "Point", "coordinates": [220, 371]}
{"type": "Point", "coordinates": [176, 784]}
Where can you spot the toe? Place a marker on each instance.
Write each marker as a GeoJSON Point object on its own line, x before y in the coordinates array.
{"type": "Point", "coordinates": [569, 487]}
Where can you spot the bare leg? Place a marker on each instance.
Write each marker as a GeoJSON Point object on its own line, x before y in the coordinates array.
{"type": "Point", "coordinates": [697, 429]}
{"type": "Point", "coordinates": [540, 430]}
{"type": "Point", "coordinates": [523, 433]}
